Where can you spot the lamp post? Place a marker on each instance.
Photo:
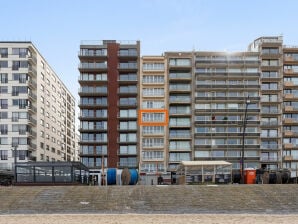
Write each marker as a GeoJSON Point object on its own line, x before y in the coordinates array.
{"type": "Point", "coordinates": [15, 146]}
{"type": "Point", "coordinates": [247, 101]}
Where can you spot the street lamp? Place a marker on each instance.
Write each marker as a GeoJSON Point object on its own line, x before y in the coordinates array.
{"type": "Point", "coordinates": [15, 146]}
{"type": "Point", "coordinates": [247, 101]}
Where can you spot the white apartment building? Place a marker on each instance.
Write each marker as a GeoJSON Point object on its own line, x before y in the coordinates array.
{"type": "Point", "coordinates": [37, 111]}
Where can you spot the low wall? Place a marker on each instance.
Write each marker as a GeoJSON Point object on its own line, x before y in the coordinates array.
{"type": "Point", "coordinates": [150, 199]}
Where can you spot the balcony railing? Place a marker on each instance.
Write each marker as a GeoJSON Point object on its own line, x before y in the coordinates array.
{"type": "Point", "coordinates": [93, 66]}
{"type": "Point", "coordinates": [180, 76]}
{"type": "Point", "coordinates": [127, 164]}
{"type": "Point", "coordinates": [269, 159]}
{"type": "Point", "coordinates": [270, 146]}
{"type": "Point", "coordinates": [132, 65]}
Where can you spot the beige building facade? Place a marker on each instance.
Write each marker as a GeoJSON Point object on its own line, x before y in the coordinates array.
{"type": "Point", "coordinates": [37, 110]}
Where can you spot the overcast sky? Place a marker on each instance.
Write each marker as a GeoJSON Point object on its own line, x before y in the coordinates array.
{"type": "Point", "coordinates": [56, 27]}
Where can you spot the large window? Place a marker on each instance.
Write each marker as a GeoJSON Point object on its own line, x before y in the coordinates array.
{"type": "Point", "coordinates": [153, 104]}
{"type": "Point", "coordinates": [153, 79]}
{"type": "Point", "coordinates": [153, 66]}
{"type": "Point", "coordinates": [153, 142]}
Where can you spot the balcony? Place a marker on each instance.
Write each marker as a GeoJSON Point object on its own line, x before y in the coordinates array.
{"type": "Point", "coordinates": [32, 59]}
{"type": "Point", "coordinates": [131, 53]}
{"type": "Point", "coordinates": [270, 136]}
{"type": "Point", "coordinates": [90, 54]}
{"type": "Point", "coordinates": [180, 112]}
{"type": "Point", "coordinates": [97, 91]}
{"type": "Point", "coordinates": [127, 91]}
{"type": "Point", "coordinates": [95, 128]}
{"type": "Point", "coordinates": [32, 109]}
{"type": "Point", "coordinates": [269, 123]}
{"type": "Point", "coordinates": [288, 84]}
{"type": "Point", "coordinates": [179, 124]}
{"type": "Point", "coordinates": [32, 71]}
{"type": "Point", "coordinates": [288, 133]}
{"type": "Point", "coordinates": [93, 141]}
{"type": "Point", "coordinates": [32, 96]}
{"type": "Point", "coordinates": [289, 59]}
{"type": "Point", "coordinates": [270, 111]}
{"type": "Point", "coordinates": [288, 96]}
{"type": "Point", "coordinates": [127, 152]}
{"type": "Point", "coordinates": [288, 158]}
{"type": "Point", "coordinates": [180, 135]}
{"type": "Point", "coordinates": [289, 121]}
{"type": "Point", "coordinates": [93, 105]}
{"type": "Point", "coordinates": [30, 83]}
{"type": "Point", "coordinates": [152, 145]}
{"type": "Point", "coordinates": [269, 159]}
{"type": "Point", "coordinates": [128, 66]}
{"type": "Point", "coordinates": [178, 99]}
{"type": "Point", "coordinates": [288, 71]}
{"type": "Point", "coordinates": [32, 121]}
{"type": "Point", "coordinates": [180, 88]}
{"type": "Point", "coordinates": [92, 66]}
{"type": "Point", "coordinates": [127, 165]}
{"type": "Point", "coordinates": [288, 145]}
{"type": "Point", "coordinates": [127, 127]}
{"type": "Point", "coordinates": [127, 79]}
{"type": "Point", "coordinates": [270, 147]}
{"type": "Point", "coordinates": [180, 76]}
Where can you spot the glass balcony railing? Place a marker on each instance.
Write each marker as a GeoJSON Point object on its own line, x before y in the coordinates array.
{"type": "Point", "coordinates": [93, 66]}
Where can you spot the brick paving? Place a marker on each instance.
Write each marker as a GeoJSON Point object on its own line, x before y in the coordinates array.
{"type": "Point", "coordinates": [271, 199]}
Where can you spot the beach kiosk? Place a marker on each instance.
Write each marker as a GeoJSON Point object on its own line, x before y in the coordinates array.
{"type": "Point", "coordinates": [203, 172]}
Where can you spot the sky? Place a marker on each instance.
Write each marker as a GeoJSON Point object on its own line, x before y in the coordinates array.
{"type": "Point", "coordinates": [56, 27]}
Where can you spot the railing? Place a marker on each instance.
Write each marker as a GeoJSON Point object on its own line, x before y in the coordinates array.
{"type": "Point", "coordinates": [180, 87]}
{"type": "Point", "coordinates": [270, 146]}
{"type": "Point", "coordinates": [128, 65]}
{"type": "Point", "coordinates": [91, 54]}
{"type": "Point", "coordinates": [269, 159]}
{"type": "Point", "coordinates": [127, 152]}
{"type": "Point", "coordinates": [132, 53]}
{"type": "Point", "coordinates": [104, 42]}
{"type": "Point", "coordinates": [127, 164]}
{"type": "Point", "coordinates": [92, 66]}
{"type": "Point", "coordinates": [180, 76]}
{"type": "Point", "coordinates": [93, 140]}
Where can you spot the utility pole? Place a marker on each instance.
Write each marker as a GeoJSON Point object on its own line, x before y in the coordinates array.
{"type": "Point", "coordinates": [247, 101]}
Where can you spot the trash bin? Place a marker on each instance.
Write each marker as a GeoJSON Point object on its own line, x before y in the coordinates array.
{"type": "Point", "coordinates": [250, 176]}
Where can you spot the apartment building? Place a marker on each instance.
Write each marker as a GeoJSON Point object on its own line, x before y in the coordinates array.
{"type": "Point", "coordinates": [224, 83]}
{"type": "Point", "coordinates": [195, 105]}
{"type": "Point", "coordinates": [37, 112]}
{"type": "Point", "coordinates": [109, 102]}
{"type": "Point", "coordinates": [153, 115]}
{"type": "Point", "coordinates": [271, 56]}
{"type": "Point", "coordinates": [180, 94]}
{"type": "Point", "coordinates": [290, 108]}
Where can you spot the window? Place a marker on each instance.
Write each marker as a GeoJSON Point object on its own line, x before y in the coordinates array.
{"type": "Point", "coordinates": [3, 129]}
{"type": "Point", "coordinates": [153, 66]}
{"type": "Point", "coordinates": [153, 104]}
{"type": "Point", "coordinates": [3, 64]}
{"type": "Point", "coordinates": [153, 117]}
{"type": "Point", "coordinates": [4, 52]}
{"type": "Point", "coordinates": [3, 154]}
{"type": "Point", "coordinates": [153, 79]}
{"type": "Point", "coordinates": [180, 62]}
{"type": "Point", "coordinates": [3, 115]}
{"type": "Point", "coordinates": [3, 103]}
{"type": "Point", "coordinates": [153, 91]}
{"type": "Point", "coordinates": [3, 76]}
{"type": "Point", "coordinates": [3, 89]}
